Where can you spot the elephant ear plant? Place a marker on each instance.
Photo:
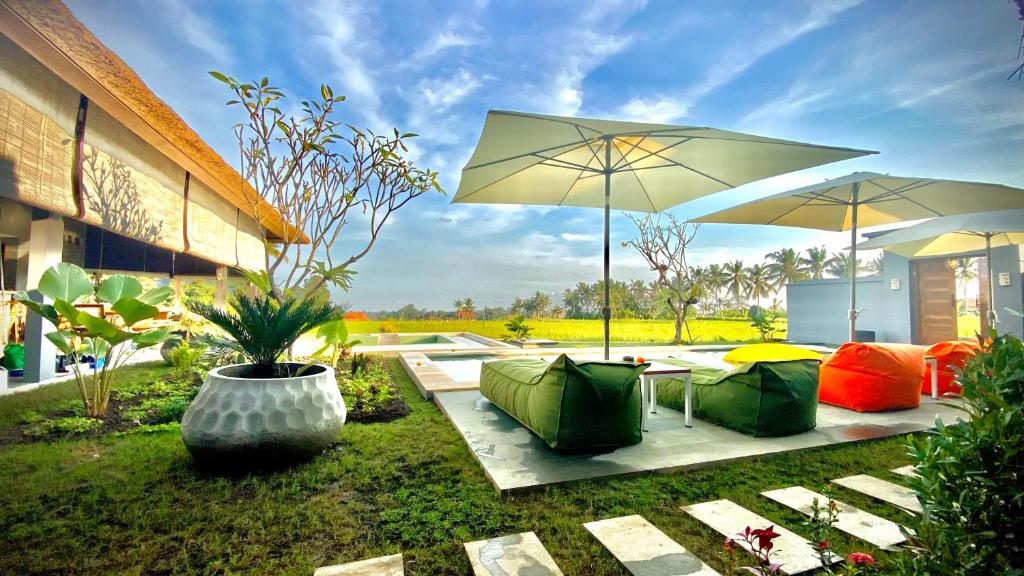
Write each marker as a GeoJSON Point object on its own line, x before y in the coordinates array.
{"type": "Point", "coordinates": [264, 329]}
{"type": "Point", "coordinates": [79, 333]}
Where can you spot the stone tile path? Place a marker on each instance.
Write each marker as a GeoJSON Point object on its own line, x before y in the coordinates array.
{"type": "Point", "coordinates": [383, 566]}
{"type": "Point", "coordinates": [864, 525]}
{"type": "Point", "coordinates": [792, 551]}
{"type": "Point", "coordinates": [907, 471]}
{"type": "Point", "coordinates": [644, 550]}
{"type": "Point", "coordinates": [899, 496]}
{"type": "Point", "coordinates": [515, 555]}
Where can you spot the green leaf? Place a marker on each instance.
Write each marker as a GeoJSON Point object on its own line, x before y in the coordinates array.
{"type": "Point", "coordinates": [220, 77]}
{"type": "Point", "coordinates": [326, 92]}
{"type": "Point", "coordinates": [156, 296]}
{"type": "Point", "coordinates": [96, 347]}
{"type": "Point", "coordinates": [65, 281]}
{"type": "Point", "coordinates": [133, 310]}
{"type": "Point", "coordinates": [98, 327]}
{"type": "Point", "coordinates": [257, 278]}
{"type": "Point", "coordinates": [69, 312]}
{"type": "Point", "coordinates": [153, 337]}
{"type": "Point", "coordinates": [45, 310]}
{"type": "Point", "coordinates": [117, 287]}
{"type": "Point", "coordinates": [334, 332]}
{"type": "Point", "coordinates": [60, 340]}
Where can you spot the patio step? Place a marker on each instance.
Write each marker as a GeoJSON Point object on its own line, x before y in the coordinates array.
{"type": "Point", "coordinates": [858, 523]}
{"type": "Point", "coordinates": [792, 551]}
{"type": "Point", "coordinates": [907, 471]}
{"type": "Point", "coordinates": [509, 555]}
{"type": "Point", "coordinates": [384, 566]}
{"type": "Point", "coordinates": [645, 550]}
{"type": "Point", "coordinates": [899, 496]}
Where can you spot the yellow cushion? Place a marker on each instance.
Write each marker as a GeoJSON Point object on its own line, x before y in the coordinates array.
{"type": "Point", "coordinates": [769, 352]}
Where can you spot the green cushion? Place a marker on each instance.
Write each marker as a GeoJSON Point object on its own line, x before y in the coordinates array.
{"type": "Point", "coordinates": [570, 406]}
{"type": "Point", "coordinates": [757, 398]}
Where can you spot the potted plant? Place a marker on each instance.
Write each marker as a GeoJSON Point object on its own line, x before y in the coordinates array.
{"type": "Point", "coordinates": [111, 342]}
{"type": "Point", "coordinates": [265, 412]}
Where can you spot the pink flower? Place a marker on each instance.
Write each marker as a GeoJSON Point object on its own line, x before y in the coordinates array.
{"type": "Point", "coordinates": [860, 558]}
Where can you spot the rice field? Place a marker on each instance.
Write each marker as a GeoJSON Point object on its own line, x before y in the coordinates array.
{"type": "Point", "coordinates": [703, 330]}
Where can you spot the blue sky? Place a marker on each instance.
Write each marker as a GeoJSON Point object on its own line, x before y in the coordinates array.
{"type": "Point", "coordinates": [924, 82]}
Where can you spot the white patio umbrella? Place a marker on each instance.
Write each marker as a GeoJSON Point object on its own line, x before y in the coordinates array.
{"type": "Point", "coordinates": [551, 160]}
{"type": "Point", "coordinates": [869, 199]}
{"type": "Point", "coordinates": [956, 234]}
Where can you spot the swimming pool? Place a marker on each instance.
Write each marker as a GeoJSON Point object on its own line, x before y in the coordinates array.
{"type": "Point", "coordinates": [466, 367]}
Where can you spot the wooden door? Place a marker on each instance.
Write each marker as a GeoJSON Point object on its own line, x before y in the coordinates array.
{"type": "Point", "coordinates": [936, 300]}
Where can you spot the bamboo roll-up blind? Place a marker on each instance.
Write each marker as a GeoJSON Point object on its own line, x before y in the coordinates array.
{"type": "Point", "coordinates": [37, 120]}
{"type": "Point", "coordinates": [211, 225]}
{"type": "Point", "coordinates": [130, 187]}
{"type": "Point", "coordinates": [251, 250]}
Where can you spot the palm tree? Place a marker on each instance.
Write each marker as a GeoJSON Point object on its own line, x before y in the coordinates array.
{"type": "Point", "coordinates": [759, 283]}
{"type": "Point", "coordinates": [816, 262]}
{"type": "Point", "coordinates": [839, 265]}
{"type": "Point", "coordinates": [874, 267]}
{"type": "Point", "coordinates": [736, 278]}
{"type": "Point", "coordinates": [785, 267]}
{"type": "Point", "coordinates": [715, 279]}
{"type": "Point", "coordinates": [964, 270]}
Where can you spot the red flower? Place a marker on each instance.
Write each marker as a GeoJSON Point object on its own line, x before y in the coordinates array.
{"type": "Point", "coordinates": [860, 558]}
{"type": "Point", "coordinates": [728, 544]}
{"type": "Point", "coordinates": [823, 545]}
{"type": "Point", "coordinates": [765, 536]}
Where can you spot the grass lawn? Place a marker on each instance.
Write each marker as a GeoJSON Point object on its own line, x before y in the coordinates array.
{"type": "Point", "coordinates": [134, 504]}
{"type": "Point", "coordinates": [704, 330]}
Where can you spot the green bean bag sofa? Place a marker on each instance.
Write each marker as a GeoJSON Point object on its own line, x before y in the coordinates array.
{"type": "Point", "coordinates": [571, 406]}
{"type": "Point", "coordinates": [757, 398]}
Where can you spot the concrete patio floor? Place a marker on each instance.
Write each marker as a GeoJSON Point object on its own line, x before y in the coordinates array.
{"type": "Point", "coordinates": [515, 459]}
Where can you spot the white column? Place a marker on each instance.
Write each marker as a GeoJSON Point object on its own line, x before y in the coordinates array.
{"type": "Point", "coordinates": [45, 249]}
{"type": "Point", "coordinates": [220, 292]}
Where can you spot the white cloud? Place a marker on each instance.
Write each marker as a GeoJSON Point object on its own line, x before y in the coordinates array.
{"type": "Point", "coordinates": [442, 41]}
{"type": "Point", "coordinates": [658, 110]}
{"type": "Point", "coordinates": [442, 94]}
{"type": "Point", "coordinates": [197, 30]}
{"type": "Point", "coordinates": [572, 237]}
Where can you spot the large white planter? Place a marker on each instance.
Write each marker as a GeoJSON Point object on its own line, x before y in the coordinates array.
{"type": "Point", "coordinates": [263, 421]}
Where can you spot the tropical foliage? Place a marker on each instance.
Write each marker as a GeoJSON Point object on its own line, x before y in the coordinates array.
{"type": "Point", "coordinates": [264, 329]}
{"type": "Point", "coordinates": [110, 342]}
{"type": "Point", "coordinates": [969, 473]}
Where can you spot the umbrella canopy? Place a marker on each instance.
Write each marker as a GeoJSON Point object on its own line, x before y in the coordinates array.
{"type": "Point", "coordinates": [869, 199]}
{"type": "Point", "coordinates": [551, 160]}
{"type": "Point", "coordinates": [956, 235]}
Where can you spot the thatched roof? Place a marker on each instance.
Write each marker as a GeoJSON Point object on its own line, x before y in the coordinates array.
{"type": "Point", "coordinates": [47, 30]}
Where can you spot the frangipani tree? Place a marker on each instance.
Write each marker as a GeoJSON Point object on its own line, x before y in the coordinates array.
{"type": "Point", "coordinates": [322, 175]}
{"type": "Point", "coordinates": [110, 342]}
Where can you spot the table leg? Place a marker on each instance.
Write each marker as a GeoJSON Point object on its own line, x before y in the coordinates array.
{"type": "Point", "coordinates": [933, 364]}
{"type": "Point", "coordinates": [689, 401]}
{"type": "Point", "coordinates": [643, 403]}
{"type": "Point", "coordinates": [654, 395]}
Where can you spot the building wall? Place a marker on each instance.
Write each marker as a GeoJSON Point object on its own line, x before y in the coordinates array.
{"type": "Point", "coordinates": [817, 309]}
{"type": "Point", "coordinates": [1010, 260]}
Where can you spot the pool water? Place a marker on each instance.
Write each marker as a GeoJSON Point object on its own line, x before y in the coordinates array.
{"type": "Point", "coordinates": [466, 367]}
{"type": "Point", "coordinates": [425, 339]}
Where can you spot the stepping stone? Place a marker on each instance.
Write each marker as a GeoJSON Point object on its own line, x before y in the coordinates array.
{"type": "Point", "coordinates": [907, 471]}
{"type": "Point", "coordinates": [792, 551]}
{"type": "Point", "coordinates": [894, 494]}
{"type": "Point", "coordinates": [383, 566]}
{"type": "Point", "coordinates": [644, 550]}
{"type": "Point", "coordinates": [864, 525]}
{"type": "Point", "coordinates": [518, 554]}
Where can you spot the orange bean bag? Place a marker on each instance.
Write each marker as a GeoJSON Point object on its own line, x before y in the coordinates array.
{"type": "Point", "coordinates": [949, 356]}
{"type": "Point", "coordinates": [870, 377]}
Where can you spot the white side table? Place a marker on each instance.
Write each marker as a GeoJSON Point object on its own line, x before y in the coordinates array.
{"type": "Point", "coordinates": [933, 363]}
{"type": "Point", "coordinates": [649, 390]}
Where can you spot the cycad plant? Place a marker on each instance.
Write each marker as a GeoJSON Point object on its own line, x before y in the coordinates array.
{"type": "Point", "coordinates": [265, 329]}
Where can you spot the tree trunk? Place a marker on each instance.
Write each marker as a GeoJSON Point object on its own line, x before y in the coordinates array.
{"type": "Point", "coordinates": [677, 339]}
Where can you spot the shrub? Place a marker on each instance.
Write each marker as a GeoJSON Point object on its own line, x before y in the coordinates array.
{"type": "Point", "coordinates": [63, 426]}
{"type": "Point", "coordinates": [365, 390]}
{"type": "Point", "coordinates": [969, 482]}
{"type": "Point", "coordinates": [185, 360]}
{"type": "Point", "coordinates": [516, 326]}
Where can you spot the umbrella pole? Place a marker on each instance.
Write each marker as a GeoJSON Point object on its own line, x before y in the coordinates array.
{"type": "Point", "coordinates": [606, 312]}
{"type": "Point", "coordinates": [992, 317]}
{"type": "Point", "coordinates": [853, 264]}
